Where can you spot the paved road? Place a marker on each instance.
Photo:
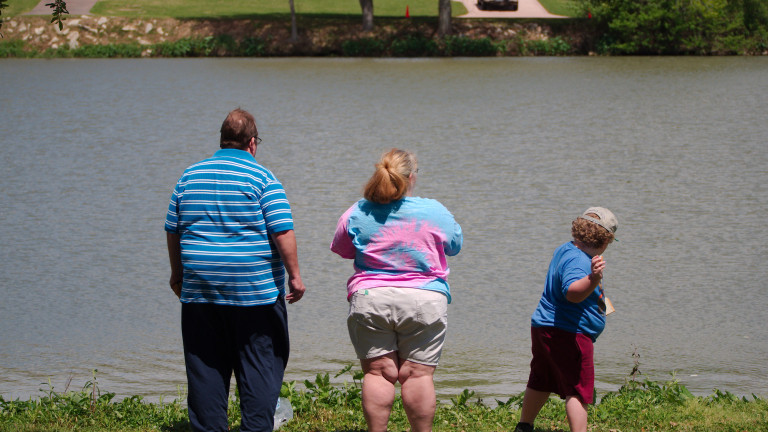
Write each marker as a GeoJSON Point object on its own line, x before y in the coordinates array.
{"type": "Point", "coordinates": [74, 7]}
{"type": "Point", "coordinates": [526, 9]}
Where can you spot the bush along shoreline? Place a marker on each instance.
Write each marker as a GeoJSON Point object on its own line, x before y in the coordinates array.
{"type": "Point", "coordinates": [118, 37]}
{"type": "Point", "coordinates": [639, 405]}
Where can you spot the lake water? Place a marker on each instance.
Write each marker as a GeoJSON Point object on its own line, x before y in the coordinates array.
{"type": "Point", "coordinates": [514, 147]}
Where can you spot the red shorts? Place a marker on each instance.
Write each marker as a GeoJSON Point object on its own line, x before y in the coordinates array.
{"type": "Point", "coordinates": [563, 363]}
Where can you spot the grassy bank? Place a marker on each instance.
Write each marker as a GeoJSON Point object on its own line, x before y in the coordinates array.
{"type": "Point", "coordinates": [320, 406]}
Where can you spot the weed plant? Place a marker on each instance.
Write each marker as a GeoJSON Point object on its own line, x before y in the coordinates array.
{"type": "Point", "coordinates": [219, 46]}
{"type": "Point", "coordinates": [364, 47]}
{"type": "Point", "coordinates": [414, 46]}
{"type": "Point", "coordinates": [459, 46]}
{"type": "Point", "coordinates": [13, 48]}
{"type": "Point", "coordinates": [556, 46]}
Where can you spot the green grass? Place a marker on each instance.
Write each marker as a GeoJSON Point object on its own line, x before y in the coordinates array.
{"type": "Point", "coordinates": [18, 7]}
{"type": "Point", "coordinates": [560, 7]}
{"type": "Point", "coordinates": [322, 406]}
{"type": "Point", "coordinates": [255, 8]}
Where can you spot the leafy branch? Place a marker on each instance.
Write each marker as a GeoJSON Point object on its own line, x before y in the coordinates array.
{"type": "Point", "coordinates": [3, 5]}
{"type": "Point", "coordinates": [59, 9]}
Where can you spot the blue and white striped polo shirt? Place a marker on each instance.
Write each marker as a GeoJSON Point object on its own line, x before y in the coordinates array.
{"type": "Point", "coordinates": [225, 208]}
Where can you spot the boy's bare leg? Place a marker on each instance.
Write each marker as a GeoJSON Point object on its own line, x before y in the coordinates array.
{"type": "Point", "coordinates": [418, 392]}
{"type": "Point", "coordinates": [577, 414]}
{"type": "Point", "coordinates": [379, 390]}
{"type": "Point", "coordinates": [532, 403]}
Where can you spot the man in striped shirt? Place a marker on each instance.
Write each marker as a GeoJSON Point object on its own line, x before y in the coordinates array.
{"type": "Point", "coordinates": [232, 249]}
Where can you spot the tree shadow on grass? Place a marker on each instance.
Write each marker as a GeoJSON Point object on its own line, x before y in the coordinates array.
{"type": "Point", "coordinates": [178, 426]}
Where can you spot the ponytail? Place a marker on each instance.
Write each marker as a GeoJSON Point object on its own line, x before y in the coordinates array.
{"type": "Point", "coordinates": [390, 181]}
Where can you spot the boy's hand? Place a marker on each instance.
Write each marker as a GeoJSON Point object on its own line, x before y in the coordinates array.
{"type": "Point", "coordinates": [598, 265]}
{"type": "Point", "coordinates": [582, 288]}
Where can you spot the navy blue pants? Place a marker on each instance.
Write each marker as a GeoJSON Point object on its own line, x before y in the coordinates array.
{"type": "Point", "coordinates": [253, 343]}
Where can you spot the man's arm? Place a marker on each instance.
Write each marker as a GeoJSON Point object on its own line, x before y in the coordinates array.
{"type": "Point", "coordinates": [286, 245]}
{"type": "Point", "coordinates": [174, 254]}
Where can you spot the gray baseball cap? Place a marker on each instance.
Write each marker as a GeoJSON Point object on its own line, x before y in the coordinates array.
{"type": "Point", "coordinates": [606, 219]}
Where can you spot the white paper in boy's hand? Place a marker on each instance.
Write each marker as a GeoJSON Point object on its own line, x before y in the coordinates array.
{"type": "Point", "coordinates": [609, 309]}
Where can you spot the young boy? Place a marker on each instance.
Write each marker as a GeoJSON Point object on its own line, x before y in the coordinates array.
{"type": "Point", "coordinates": [569, 318]}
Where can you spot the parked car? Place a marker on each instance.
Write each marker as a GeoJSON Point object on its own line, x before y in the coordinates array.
{"type": "Point", "coordinates": [497, 4]}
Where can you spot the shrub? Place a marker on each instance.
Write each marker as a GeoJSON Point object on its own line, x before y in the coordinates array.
{"type": "Point", "coordinates": [251, 47]}
{"type": "Point", "coordinates": [678, 26]}
{"type": "Point", "coordinates": [107, 51]}
{"type": "Point", "coordinates": [14, 48]}
{"type": "Point", "coordinates": [551, 47]}
{"type": "Point", "coordinates": [466, 47]}
{"type": "Point", "coordinates": [363, 47]}
{"type": "Point", "coordinates": [414, 46]}
{"type": "Point", "coordinates": [180, 48]}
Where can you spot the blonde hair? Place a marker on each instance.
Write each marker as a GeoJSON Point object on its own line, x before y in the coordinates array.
{"type": "Point", "coordinates": [390, 181]}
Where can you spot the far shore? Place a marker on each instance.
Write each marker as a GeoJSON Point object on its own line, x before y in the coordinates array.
{"type": "Point", "coordinates": [316, 36]}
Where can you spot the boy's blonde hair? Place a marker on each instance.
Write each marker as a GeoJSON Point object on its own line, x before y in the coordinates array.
{"type": "Point", "coordinates": [390, 181]}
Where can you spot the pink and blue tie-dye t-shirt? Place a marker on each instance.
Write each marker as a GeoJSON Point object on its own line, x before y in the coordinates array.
{"type": "Point", "coordinates": [401, 244]}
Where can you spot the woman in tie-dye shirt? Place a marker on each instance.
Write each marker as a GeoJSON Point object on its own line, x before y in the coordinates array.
{"type": "Point", "coordinates": [398, 294]}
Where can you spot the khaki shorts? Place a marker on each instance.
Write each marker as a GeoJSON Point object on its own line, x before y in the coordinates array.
{"type": "Point", "coordinates": [407, 320]}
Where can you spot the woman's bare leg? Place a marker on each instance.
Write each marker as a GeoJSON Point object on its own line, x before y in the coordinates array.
{"type": "Point", "coordinates": [418, 392]}
{"type": "Point", "coordinates": [379, 390]}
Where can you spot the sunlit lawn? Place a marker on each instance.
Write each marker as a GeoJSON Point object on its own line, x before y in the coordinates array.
{"type": "Point", "coordinates": [560, 7]}
{"type": "Point", "coordinates": [17, 7]}
{"type": "Point", "coordinates": [255, 8]}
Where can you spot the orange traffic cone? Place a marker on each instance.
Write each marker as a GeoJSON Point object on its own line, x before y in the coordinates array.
{"type": "Point", "coordinates": [407, 12]}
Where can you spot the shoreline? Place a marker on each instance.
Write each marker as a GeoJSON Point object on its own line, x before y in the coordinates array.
{"type": "Point", "coordinates": [318, 36]}
{"type": "Point", "coordinates": [94, 36]}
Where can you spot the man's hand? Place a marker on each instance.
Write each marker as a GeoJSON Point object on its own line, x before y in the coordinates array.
{"type": "Point", "coordinates": [176, 286]}
{"type": "Point", "coordinates": [296, 290]}
{"type": "Point", "coordinates": [286, 245]}
{"type": "Point", "coordinates": [177, 270]}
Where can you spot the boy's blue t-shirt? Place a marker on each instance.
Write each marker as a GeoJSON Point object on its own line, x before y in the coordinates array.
{"type": "Point", "coordinates": [568, 265]}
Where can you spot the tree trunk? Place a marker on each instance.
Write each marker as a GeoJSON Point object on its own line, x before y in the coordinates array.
{"type": "Point", "coordinates": [294, 30]}
{"type": "Point", "coordinates": [444, 18]}
{"type": "Point", "coordinates": [367, 6]}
